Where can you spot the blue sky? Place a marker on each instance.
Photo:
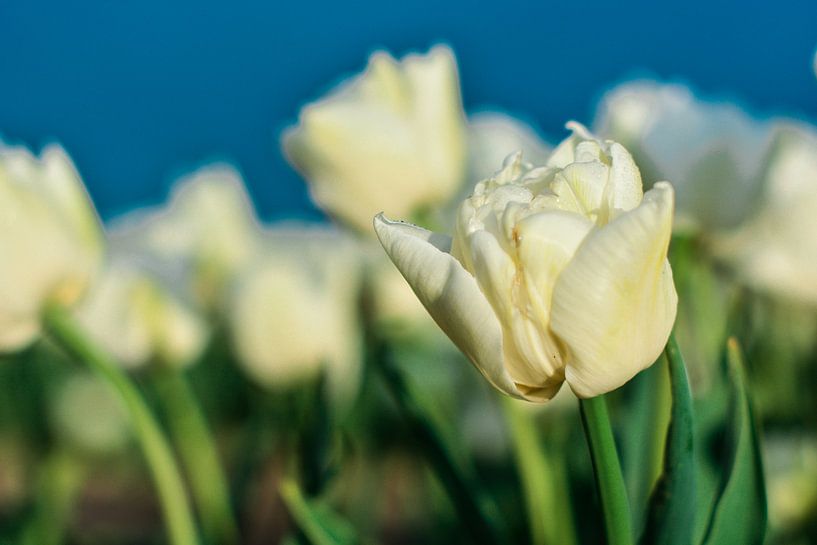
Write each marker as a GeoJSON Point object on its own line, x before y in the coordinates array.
{"type": "Point", "coordinates": [139, 92]}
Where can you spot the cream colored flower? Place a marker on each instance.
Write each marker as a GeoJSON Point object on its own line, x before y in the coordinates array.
{"type": "Point", "coordinates": [394, 306]}
{"type": "Point", "coordinates": [554, 273]}
{"type": "Point", "coordinates": [492, 136]}
{"type": "Point", "coordinates": [712, 151]}
{"type": "Point", "coordinates": [776, 249]}
{"type": "Point", "coordinates": [88, 415]}
{"type": "Point", "coordinates": [138, 321]}
{"type": "Point", "coordinates": [294, 313]}
{"type": "Point", "coordinates": [391, 139]}
{"type": "Point", "coordinates": [50, 239]}
{"type": "Point", "coordinates": [205, 235]}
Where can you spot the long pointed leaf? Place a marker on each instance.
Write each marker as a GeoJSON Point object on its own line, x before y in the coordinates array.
{"type": "Point", "coordinates": [739, 516]}
{"type": "Point", "coordinates": [671, 515]}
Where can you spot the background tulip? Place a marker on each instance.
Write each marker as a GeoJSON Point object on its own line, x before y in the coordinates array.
{"type": "Point", "coordinates": [294, 313]}
{"type": "Point", "coordinates": [392, 139]}
{"type": "Point", "coordinates": [206, 234]}
{"type": "Point", "coordinates": [50, 239]}
{"type": "Point", "coordinates": [139, 321]}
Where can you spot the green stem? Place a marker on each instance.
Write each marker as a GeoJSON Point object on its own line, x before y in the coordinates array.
{"type": "Point", "coordinates": [607, 470]}
{"type": "Point", "coordinates": [59, 482]}
{"type": "Point", "coordinates": [194, 442]}
{"type": "Point", "coordinates": [544, 496]}
{"type": "Point", "coordinates": [464, 496]}
{"type": "Point", "coordinates": [175, 506]}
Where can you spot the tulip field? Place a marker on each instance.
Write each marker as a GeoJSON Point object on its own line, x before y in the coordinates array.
{"type": "Point", "coordinates": [609, 336]}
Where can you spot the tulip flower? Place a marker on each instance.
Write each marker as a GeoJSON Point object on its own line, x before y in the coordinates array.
{"type": "Point", "coordinates": [776, 249]}
{"type": "Point", "coordinates": [50, 239]}
{"type": "Point", "coordinates": [391, 139]}
{"type": "Point", "coordinates": [293, 314]}
{"type": "Point", "coordinates": [137, 320]}
{"type": "Point", "coordinates": [87, 415]}
{"type": "Point", "coordinates": [554, 273]}
{"type": "Point", "coordinates": [492, 136]}
{"type": "Point", "coordinates": [713, 152]}
{"type": "Point", "coordinates": [204, 237]}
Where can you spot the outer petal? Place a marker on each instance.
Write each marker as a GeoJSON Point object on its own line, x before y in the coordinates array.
{"type": "Point", "coordinates": [450, 294]}
{"type": "Point", "coordinates": [615, 302]}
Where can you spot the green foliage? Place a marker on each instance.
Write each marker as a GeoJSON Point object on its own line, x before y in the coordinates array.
{"type": "Point", "coordinates": [739, 515]}
{"type": "Point", "coordinates": [671, 515]}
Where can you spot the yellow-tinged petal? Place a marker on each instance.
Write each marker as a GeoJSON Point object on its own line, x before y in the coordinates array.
{"type": "Point", "coordinates": [450, 294]}
{"type": "Point", "coordinates": [615, 303]}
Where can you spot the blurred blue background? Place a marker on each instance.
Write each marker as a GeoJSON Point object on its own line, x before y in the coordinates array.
{"type": "Point", "coordinates": [141, 91]}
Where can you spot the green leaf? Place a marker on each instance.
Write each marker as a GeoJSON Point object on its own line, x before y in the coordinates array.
{"type": "Point", "coordinates": [739, 516]}
{"type": "Point", "coordinates": [316, 520]}
{"type": "Point", "coordinates": [648, 402]}
{"type": "Point", "coordinates": [671, 515]}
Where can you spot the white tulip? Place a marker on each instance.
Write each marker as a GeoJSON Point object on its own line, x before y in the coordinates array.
{"type": "Point", "coordinates": [50, 239]}
{"type": "Point", "coordinates": [492, 136]}
{"type": "Point", "coordinates": [393, 304]}
{"type": "Point", "coordinates": [712, 151]}
{"type": "Point", "coordinates": [294, 313]}
{"type": "Point", "coordinates": [391, 139]}
{"type": "Point", "coordinates": [88, 415]}
{"type": "Point", "coordinates": [557, 273]}
{"type": "Point", "coordinates": [776, 249]}
{"type": "Point", "coordinates": [139, 321]}
{"type": "Point", "coordinates": [205, 235]}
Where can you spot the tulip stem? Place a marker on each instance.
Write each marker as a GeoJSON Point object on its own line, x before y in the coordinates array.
{"type": "Point", "coordinates": [546, 493]}
{"type": "Point", "coordinates": [607, 470]}
{"type": "Point", "coordinates": [198, 452]}
{"type": "Point", "coordinates": [180, 527]}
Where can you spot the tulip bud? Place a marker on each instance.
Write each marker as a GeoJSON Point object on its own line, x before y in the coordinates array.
{"type": "Point", "coordinates": [776, 249]}
{"type": "Point", "coordinates": [713, 152]}
{"type": "Point", "coordinates": [294, 313]}
{"type": "Point", "coordinates": [493, 136]}
{"type": "Point", "coordinates": [556, 273]}
{"type": "Point", "coordinates": [87, 414]}
{"type": "Point", "coordinates": [390, 139]}
{"type": "Point", "coordinates": [50, 239]}
{"type": "Point", "coordinates": [138, 321]}
{"type": "Point", "coordinates": [204, 236]}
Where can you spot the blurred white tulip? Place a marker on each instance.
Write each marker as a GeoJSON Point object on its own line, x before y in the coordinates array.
{"type": "Point", "coordinates": [88, 415]}
{"type": "Point", "coordinates": [294, 313]}
{"type": "Point", "coordinates": [392, 139]}
{"type": "Point", "coordinates": [776, 249]}
{"type": "Point", "coordinates": [202, 238]}
{"type": "Point", "coordinates": [50, 239]}
{"type": "Point", "coordinates": [790, 465]}
{"type": "Point", "coordinates": [554, 273]}
{"type": "Point", "coordinates": [712, 151]}
{"type": "Point", "coordinates": [393, 304]}
{"type": "Point", "coordinates": [138, 321]}
{"type": "Point", "coordinates": [492, 136]}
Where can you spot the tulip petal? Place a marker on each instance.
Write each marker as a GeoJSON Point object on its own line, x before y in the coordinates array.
{"type": "Point", "coordinates": [450, 294]}
{"type": "Point", "coordinates": [615, 302]}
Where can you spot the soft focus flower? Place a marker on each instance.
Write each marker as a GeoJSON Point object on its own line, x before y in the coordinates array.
{"type": "Point", "coordinates": [492, 136]}
{"type": "Point", "coordinates": [554, 273]}
{"type": "Point", "coordinates": [790, 464]}
{"type": "Point", "coordinates": [205, 235]}
{"type": "Point", "coordinates": [294, 314]}
{"type": "Point", "coordinates": [88, 415]}
{"type": "Point", "coordinates": [776, 249]}
{"type": "Point", "coordinates": [713, 152]}
{"type": "Point", "coordinates": [50, 239]}
{"type": "Point", "coordinates": [138, 321]}
{"type": "Point", "coordinates": [393, 304]}
{"type": "Point", "coordinates": [391, 139]}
